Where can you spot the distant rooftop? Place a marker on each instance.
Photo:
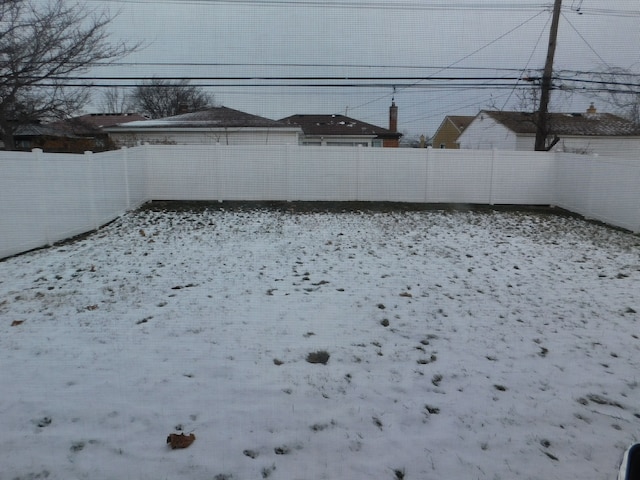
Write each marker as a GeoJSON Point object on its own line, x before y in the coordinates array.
{"type": "Point", "coordinates": [100, 120]}
{"type": "Point", "coordinates": [586, 124]}
{"type": "Point", "coordinates": [461, 121]}
{"type": "Point", "coordinates": [216, 117]}
{"type": "Point", "coordinates": [327, 125]}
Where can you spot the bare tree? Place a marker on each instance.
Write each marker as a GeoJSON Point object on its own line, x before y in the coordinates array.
{"type": "Point", "coordinates": [43, 45]}
{"type": "Point", "coordinates": [116, 100]}
{"type": "Point", "coordinates": [159, 98]}
{"type": "Point", "coordinates": [620, 88]}
{"type": "Point", "coordinates": [528, 99]}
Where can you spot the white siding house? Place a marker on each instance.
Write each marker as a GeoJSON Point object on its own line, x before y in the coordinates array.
{"type": "Point", "coordinates": [485, 133]}
{"type": "Point", "coordinates": [585, 133]}
{"type": "Point", "coordinates": [217, 125]}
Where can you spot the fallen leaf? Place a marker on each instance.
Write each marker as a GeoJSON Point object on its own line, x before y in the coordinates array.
{"type": "Point", "coordinates": [180, 440]}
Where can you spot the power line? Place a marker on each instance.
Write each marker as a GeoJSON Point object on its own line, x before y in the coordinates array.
{"type": "Point", "coordinates": [383, 5]}
{"type": "Point", "coordinates": [528, 61]}
{"type": "Point", "coordinates": [585, 40]}
{"type": "Point", "coordinates": [295, 85]}
{"type": "Point", "coordinates": [295, 65]}
{"type": "Point", "coordinates": [367, 5]}
{"type": "Point", "coordinates": [287, 77]}
{"type": "Point", "coordinates": [465, 57]}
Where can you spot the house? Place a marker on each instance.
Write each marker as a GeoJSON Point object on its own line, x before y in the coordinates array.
{"type": "Point", "coordinates": [47, 137]}
{"type": "Point", "coordinates": [98, 121]}
{"type": "Point", "coordinates": [340, 130]}
{"type": "Point", "coordinates": [73, 135]}
{"type": "Point", "coordinates": [216, 125]}
{"type": "Point", "coordinates": [90, 127]}
{"type": "Point", "coordinates": [587, 133]}
{"type": "Point", "coordinates": [449, 130]}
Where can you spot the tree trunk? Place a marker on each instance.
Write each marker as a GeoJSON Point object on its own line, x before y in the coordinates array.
{"type": "Point", "coordinates": [6, 135]}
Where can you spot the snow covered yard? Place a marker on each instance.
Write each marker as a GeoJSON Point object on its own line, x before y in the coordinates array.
{"type": "Point", "coordinates": [472, 345]}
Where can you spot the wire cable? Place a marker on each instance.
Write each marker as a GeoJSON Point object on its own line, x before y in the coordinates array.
{"type": "Point", "coordinates": [463, 58]}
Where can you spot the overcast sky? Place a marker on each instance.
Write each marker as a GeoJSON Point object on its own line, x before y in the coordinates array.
{"type": "Point", "coordinates": [373, 38]}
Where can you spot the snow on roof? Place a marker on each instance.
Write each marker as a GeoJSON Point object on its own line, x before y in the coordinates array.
{"type": "Point", "coordinates": [587, 124]}
{"type": "Point", "coordinates": [336, 125]}
{"type": "Point", "coordinates": [101, 120]}
{"type": "Point", "coordinates": [215, 117]}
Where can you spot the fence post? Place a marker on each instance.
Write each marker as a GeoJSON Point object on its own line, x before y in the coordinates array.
{"type": "Point", "coordinates": [92, 191]}
{"type": "Point", "coordinates": [590, 203]}
{"type": "Point", "coordinates": [43, 204]}
{"type": "Point", "coordinates": [427, 174]}
{"type": "Point", "coordinates": [358, 172]}
{"type": "Point", "coordinates": [491, 176]}
{"type": "Point", "coordinates": [554, 181]}
{"type": "Point", "coordinates": [125, 165]}
{"type": "Point", "coordinates": [287, 173]}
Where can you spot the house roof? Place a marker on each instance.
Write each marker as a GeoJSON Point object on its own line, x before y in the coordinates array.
{"type": "Point", "coordinates": [337, 125]}
{"type": "Point", "coordinates": [92, 123]}
{"type": "Point", "coordinates": [100, 120]}
{"type": "Point", "coordinates": [460, 121]}
{"type": "Point", "coordinates": [40, 130]}
{"type": "Point", "coordinates": [216, 117]}
{"type": "Point", "coordinates": [578, 124]}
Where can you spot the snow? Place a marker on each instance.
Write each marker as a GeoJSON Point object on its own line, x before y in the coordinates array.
{"type": "Point", "coordinates": [488, 345]}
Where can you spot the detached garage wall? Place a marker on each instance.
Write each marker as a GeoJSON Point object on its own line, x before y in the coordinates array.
{"type": "Point", "coordinates": [230, 136]}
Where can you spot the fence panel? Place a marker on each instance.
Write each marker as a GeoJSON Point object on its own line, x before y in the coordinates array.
{"type": "Point", "coordinates": [45, 198]}
{"type": "Point", "coordinates": [600, 187]}
{"type": "Point", "coordinates": [401, 177]}
{"type": "Point", "coordinates": [522, 178]}
{"type": "Point", "coordinates": [459, 176]}
{"type": "Point", "coordinates": [23, 216]}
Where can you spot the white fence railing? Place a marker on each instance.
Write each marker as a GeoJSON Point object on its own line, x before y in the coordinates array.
{"type": "Point", "coordinates": [45, 198]}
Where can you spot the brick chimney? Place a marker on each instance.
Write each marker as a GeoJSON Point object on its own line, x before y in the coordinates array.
{"type": "Point", "coordinates": [591, 110]}
{"type": "Point", "coordinates": [393, 117]}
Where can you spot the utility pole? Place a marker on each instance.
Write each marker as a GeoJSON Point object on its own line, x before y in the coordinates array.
{"type": "Point", "coordinates": [542, 120]}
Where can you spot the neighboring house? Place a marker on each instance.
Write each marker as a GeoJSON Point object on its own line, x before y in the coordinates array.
{"type": "Point", "coordinates": [586, 133]}
{"type": "Point", "coordinates": [217, 125]}
{"type": "Point", "coordinates": [57, 138]}
{"type": "Point", "coordinates": [73, 135]}
{"type": "Point", "coordinates": [449, 130]}
{"type": "Point", "coordinates": [37, 135]}
{"type": "Point", "coordinates": [98, 121]}
{"type": "Point", "coordinates": [91, 127]}
{"type": "Point", "coordinates": [340, 130]}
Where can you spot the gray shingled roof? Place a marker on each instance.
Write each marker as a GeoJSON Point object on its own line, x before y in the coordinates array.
{"type": "Point", "coordinates": [39, 130]}
{"type": "Point", "coordinates": [328, 125]}
{"type": "Point", "coordinates": [216, 117]}
{"type": "Point", "coordinates": [91, 124]}
{"type": "Point", "coordinates": [101, 120]}
{"type": "Point", "coordinates": [461, 121]}
{"type": "Point", "coordinates": [581, 124]}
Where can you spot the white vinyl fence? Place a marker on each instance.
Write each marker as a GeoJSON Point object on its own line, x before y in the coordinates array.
{"type": "Point", "coordinates": [600, 188]}
{"type": "Point", "coordinates": [45, 198]}
{"type": "Point", "coordinates": [287, 172]}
